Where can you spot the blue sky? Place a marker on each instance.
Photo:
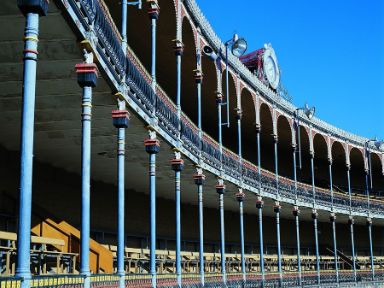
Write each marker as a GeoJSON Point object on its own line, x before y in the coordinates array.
{"type": "Point", "coordinates": [330, 53]}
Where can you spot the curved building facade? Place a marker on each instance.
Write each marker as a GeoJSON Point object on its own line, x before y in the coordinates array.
{"type": "Point", "coordinates": [139, 156]}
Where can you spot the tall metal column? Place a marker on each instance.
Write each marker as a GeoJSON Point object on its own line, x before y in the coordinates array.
{"type": "Point", "coordinates": [199, 179]}
{"type": "Point", "coordinates": [277, 209]}
{"type": "Point", "coordinates": [296, 211]}
{"type": "Point", "coordinates": [369, 224]}
{"type": "Point", "coordinates": [314, 217]}
{"type": "Point", "coordinates": [220, 189]}
{"type": "Point", "coordinates": [152, 147]}
{"type": "Point", "coordinates": [296, 214]}
{"type": "Point", "coordinates": [259, 206]}
{"type": "Point", "coordinates": [240, 198]}
{"type": "Point", "coordinates": [178, 165]}
{"type": "Point", "coordinates": [31, 11]}
{"type": "Point", "coordinates": [199, 80]}
{"type": "Point", "coordinates": [153, 12]}
{"type": "Point", "coordinates": [219, 102]}
{"type": "Point", "coordinates": [120, 119]}
{"type": "Point", "coordinates": [333, 221]}
{"type": "Point", "coordinates": [351, 221]}
{"type": "Point", "coordinates": [179, 49]}
{"type": "Point", "coordinates": [86, 78]}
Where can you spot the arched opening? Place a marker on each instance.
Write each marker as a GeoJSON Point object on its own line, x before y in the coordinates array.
{"type": "Point", "coordinates": [339, 172]}
{"type": "Point", "coordinates": [188, 98]}
{"type": "Point", "coordinates": [321, 161]}
{"type": "Point", "coordinates": [285, 147]}
{"type": "Point", "coordinates": [304, 174]}
{"type": "Point", "coordinates": [266, 138]}
{"type": "Point", "coordinates": [377, 176]}
{"type": "Point", "coordinates": [248, 127]}
{"type": "Point", "coordinates": [357, 171]}
{"type": "Point", "coordinates": [208, 97]}
{"type": "Point", "coordinates": [230, 133]}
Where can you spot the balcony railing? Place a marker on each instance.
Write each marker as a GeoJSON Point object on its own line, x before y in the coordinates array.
{"type": "Point", "coordinates": [94, 16]}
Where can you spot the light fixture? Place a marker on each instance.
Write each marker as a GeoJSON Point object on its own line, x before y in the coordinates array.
{"type": "Point", "coordinates": [309, 111]}
{"type": "Point", "coordinates": [239, 46]}
{"type": "Point", "coordinates": [379, 145]}
{"type": "Point", "coordinates": [208, 51]}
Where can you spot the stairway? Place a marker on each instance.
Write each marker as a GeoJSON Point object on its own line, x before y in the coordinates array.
{"type": "Point", "coordinates": [344, 258]}
{"type": "Point", "coordinates": [101, 259]}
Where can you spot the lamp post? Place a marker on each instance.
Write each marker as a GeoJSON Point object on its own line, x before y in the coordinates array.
{"type": "Point", "coordinates": [369, 186]}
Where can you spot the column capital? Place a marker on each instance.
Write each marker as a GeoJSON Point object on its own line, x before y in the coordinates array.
{"type": "Point", "coordinates": [87, 71]}
{"type": "Point", "coordinates": [219, 97]}
{"type": "Point", "coordinates": [178, 47]}
{"type": "Point", "coordinates": [348, 165]}
{"type": "Point", "coordinates": [198, 75]}
{"type": "Point", "coordinates": [154, 9]}
{"type": "Point", "coordinates": [120, 118]}
{"type": "Point", "coordinates": [33, 6]}
{"type": "Point", "coordinates": [330, 160]}
{"type": "Point", "coordinates": [177, 163]}
{"type": "Point", "coordinates": [296, 211]}
{"type": "Point", "coordinates": [332, 217]}
{"type": "Point", "coordinates": [152, 144]}
{"type": "Point", "coordinates": [351, 221]}
{"type": "Point", "coordinates": [275, 138]}
{"type": "Point", "coordinates": [314, 214]}
{"type": "Point", "coordinates": [220, 187]}
{"type": "Point", "coordinates": [258, 127]}
{"type": "Point", "coordinates": [240, 195]}
{"type": "Point", "coordinates": [277, 207]}
{"type": "Point", "coordinates": [369, 221]}
{"type": "Point", "coordinates": [259, 202]}
{"type": "Point", "coordinates": [199, 177]}
{"type": "Point", "coordinates": [239, 113]}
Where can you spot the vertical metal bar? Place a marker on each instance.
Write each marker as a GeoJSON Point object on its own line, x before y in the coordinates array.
{"type": "Point", "coordinates": [258, 156]}
{"type": "Point", "coordinates": [85, 185]}
{"type": "Point", "coordinates": [298, 245]}
{"type": "Point", "coordinates": [276, 168]}
{"type": "Point", "coordinates": [333, 221]}
{"type": "Point", "coordinates": [369, 224]}
{"type": "Point", "coordinates": [299, 140]}
{"type": "Point", "coordinates": [315, 219]}
{"type": "Point", "coordinates": [178, 89]}
{"type": "Point", "coordinates": [124, 16]}
{"type": "Point", "coordinates": [121, 205]}
{"type": "Point", "coordinates": [153, 52]}
{"type": "Point", "coordinates": [220, 132]}
{"type": "Point", "coordinates": [201, 234]}
{"type": "Point", "coordinates": [222, 237]}
{"type": "Point", "coordinates": [277, 211]}
{"type": "Point", "coordinates": [26, 147]}
{"type": "Point", "coordinates": [241, 208]}
{"type": "Point", "coordinates": [199, 123]}
{"type": "Point", "coordinates": [351, 222]}
{"type": "Point", "coordinates": [178, 228]}
{"type": "Point", "coordinates": [259, 206]}
{"type": "Point", "coordinates": [227, 84]}
{"type": "Point", "coordinates": [152, 187]}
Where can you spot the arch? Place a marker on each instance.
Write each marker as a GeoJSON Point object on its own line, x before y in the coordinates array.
{"type": "Point", "coordinates": [248, 126]}
{"type": "Point", "coordinates": [357, 171]}
{"type": "Point", "coordinates": [321, 161]}
{"type": "Point", "coordinates": [377, 176]}
{"type": "Point", "coordinates": [266, 135]}
{"type": "Point", "coordinates": [230, 134]}
{"type": "Point", "coordinates": [339, 172]}
{"type": "Point", "coordinates": [284, 132]}
{"type": "Point", "coordinates": [304, 174]}
{"type": "Point", "coordinates": [188, 98]}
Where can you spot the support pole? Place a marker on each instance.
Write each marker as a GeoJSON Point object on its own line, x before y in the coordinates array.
{"type": "Point", "coordinates": [351, 221]}
{"type": "Point", "coordinates": [314, 217]}
{"type": "Point", "coordinates": [199, 179]}
{"type": "Point", "coordinates": [277, 209]}
{"type": "Point", "coordinates": [178, 165]}
{"type": "Point", "coordinates": [153, 12]}
{"type": "Point", "coordinates": [259, 206]}
{"type": "Point", "coordinates": [124, 16]}
{"type": "Point", "coordinates": [296, 214]}
{"type": "Point", "coordinates": [179, 49]}
{"type": "Point", "coordinates": [240, 198]}
{"type": "Point", "coordinates": [199, 80]}
{"type": "Point", "coordinates": [369, 225]}
{"type": "Point", "coordinates": [120, 120]}
{"type": "Point", "coordinates": [86, 78]}
{"type": "Point", "coordinates": [333, 221]}
{"type": "Point", "coordinates": [152, 147]}
{"type": "Point", "coordinates": [31, 11]}
{"type": "Point", "coordinates": [219, 102]}
{"type": "Point", "coordinates": [220, 189]}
